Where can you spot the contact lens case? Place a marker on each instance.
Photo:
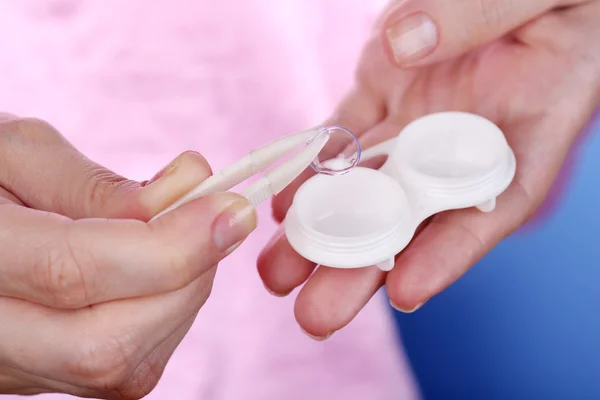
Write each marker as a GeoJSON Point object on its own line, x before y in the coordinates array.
{"type": "Point", "coordinates": [440, 162]}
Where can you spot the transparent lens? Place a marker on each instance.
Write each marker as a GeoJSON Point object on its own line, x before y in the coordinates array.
{"type": "Point", "coordinates": [340, 154]}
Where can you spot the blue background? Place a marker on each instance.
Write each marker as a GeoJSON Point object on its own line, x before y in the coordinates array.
{"type": "Point", "coordinates": [525, 322]}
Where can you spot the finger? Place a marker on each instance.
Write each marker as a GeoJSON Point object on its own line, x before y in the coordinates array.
{"type": "Point", "coordinates": [422, 32]}
{"type": "Point", "coordinates": [449, 245]}
{"type": "Point", "coordinates": [358, 112]}
{"type": "Point", "coordinates": [64, 263]}
{"type": "Point", "coordinates": [103, 347]}
{"type": "Point", "coordinates": [333, 297]}
{"type": "Point", "coordinates": [180, 176]}
{"type": "Point", "coordinates": [142, 381]}
{"type": "Point", "coordinates": [281, 268]}
{"type": "Point", "coordinates": [159, 326]}
{"type": "Point", "coordinates": [148, 373]}
{"type": "Point", "coordinates": [13, 381]}
{"type": "Point", "coordinates": [43, 170]}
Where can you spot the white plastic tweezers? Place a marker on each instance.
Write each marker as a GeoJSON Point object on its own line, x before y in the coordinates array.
{"type": "Point", "coordinates": [257, 161]}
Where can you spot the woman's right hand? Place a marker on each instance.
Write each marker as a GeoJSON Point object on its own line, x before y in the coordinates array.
{"type": "Point", "coordinates": [93, 299]}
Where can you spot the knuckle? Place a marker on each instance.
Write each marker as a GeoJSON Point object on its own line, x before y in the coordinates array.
{"type": "Point", "coordinates": [178, 264]}
{"type": "Point", "coordinates": [24, 130]}
{"type": "Point", "coordinates": [101, 185]}
{"type": "Point", "coordinates": [181, 265]}
{"type": "Point", "coordinates": [144, 378]}
{"type": "Point", "coordinates": [102, 363]}
{"type": "Point", "coordinates": [5, 132]}
{"type": "Point", "coordinates": [200, 289]}
{"type": "Point", "coordinates": [60, 279]}
{"type": "Point", "coordinates": [37, 124]}
{"type": "Point", "coordinates": [529, 202]}
{"type": "Point", "coordinates": [207, 285]}
{"type": "Point", "coordinates": [61, 276]}
{"type": "Point", "coordinates": [35, 128]}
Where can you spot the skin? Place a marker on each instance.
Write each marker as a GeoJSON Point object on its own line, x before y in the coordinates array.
{"type": "Point", "coordinates": [96, 299]}
{"type": "Point", "coordinates": [89, 286]}
{"type": "Point", "coordinates": [531, 67]}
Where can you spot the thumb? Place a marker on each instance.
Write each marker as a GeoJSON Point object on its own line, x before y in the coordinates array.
{"type": "Point", "coordinates": [422, 32]}
{"type": "Point", "coordinates": [112, 196]}
{"type": "Point", "coordinates": [45, 172]}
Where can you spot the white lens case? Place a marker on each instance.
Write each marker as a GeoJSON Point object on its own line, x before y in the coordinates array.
{"type": "Point", "coordinates": [440, 162]}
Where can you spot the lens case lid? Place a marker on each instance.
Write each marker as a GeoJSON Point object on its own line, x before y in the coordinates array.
{"type": "Point", "coordinates": [365, 217]}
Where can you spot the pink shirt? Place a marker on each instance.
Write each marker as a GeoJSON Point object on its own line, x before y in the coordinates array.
{"type": "Point", "coordinates": [133, 83]}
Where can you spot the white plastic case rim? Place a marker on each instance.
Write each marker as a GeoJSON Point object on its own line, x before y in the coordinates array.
{"type": "Point", "coordinates": [439, 162]}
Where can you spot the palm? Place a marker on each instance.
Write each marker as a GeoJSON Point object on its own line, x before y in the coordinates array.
{"type": "Point", "coordinates": [517, 82]}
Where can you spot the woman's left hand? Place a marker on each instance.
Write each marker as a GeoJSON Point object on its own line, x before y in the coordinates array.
{"type": "Point", "coordinates": [532, 67]}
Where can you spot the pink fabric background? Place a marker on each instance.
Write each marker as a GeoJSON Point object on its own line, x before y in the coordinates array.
{"type": "Point", "coordinates": [133, 83]}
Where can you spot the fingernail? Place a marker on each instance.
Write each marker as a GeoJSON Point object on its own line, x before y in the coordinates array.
{"type": "Point", "coordinates": [169, 169]}
{"type": "Point", "coordinates": [412, 38]}
{"type": "Point", "coordinates": [233, 225]}
{"type": "Point", "coordinates": [173, 181]}
{"type": "Point", "coordinates": [317, 338]}
{"type": "Point", "coordinates": [397, 308]}
{"type": "Point", "coordinates": [158, 192]}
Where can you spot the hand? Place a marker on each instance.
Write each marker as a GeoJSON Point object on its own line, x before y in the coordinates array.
{"type": "Point", "coordinates": [532, 67]}
{"type": "Point", "coordinates": [91, 306]}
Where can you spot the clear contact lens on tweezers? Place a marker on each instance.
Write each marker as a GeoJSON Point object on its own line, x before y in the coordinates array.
{"type": "Point", "coordinates": [340, 154]}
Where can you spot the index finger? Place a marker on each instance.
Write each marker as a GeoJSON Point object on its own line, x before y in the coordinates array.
{"type": "Point", "coordinates": [56, 261]}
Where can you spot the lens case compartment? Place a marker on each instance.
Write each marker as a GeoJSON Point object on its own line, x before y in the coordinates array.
{"type": "Point", "coordinates": [439, 162]}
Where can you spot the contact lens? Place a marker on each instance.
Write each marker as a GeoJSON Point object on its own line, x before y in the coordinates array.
{"type": "Point", "coordinates": [340, 154]}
